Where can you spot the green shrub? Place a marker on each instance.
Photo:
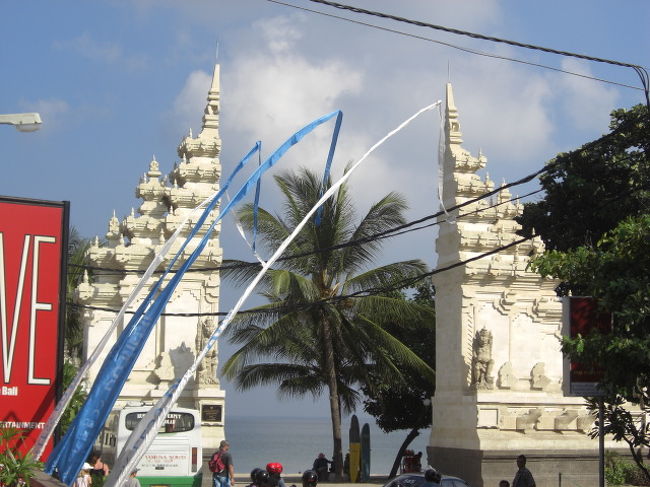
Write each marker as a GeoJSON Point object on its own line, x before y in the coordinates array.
{"type": "Point", "coordinates": [615, 472]}
{"type": "Point", "coordinates": [634, 475]}
{"type": "Point", "coordinates": [16, 469]}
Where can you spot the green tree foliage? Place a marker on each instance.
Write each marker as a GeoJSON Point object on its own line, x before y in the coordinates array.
{"type": "Point", "coordinates": [407, 405]}
{"type": "Point", "coordinates": [73, 338]}
{"type": "Point", "coordinates": [591, 189]}
{"type": "Point", "coordinates": [595, 222]}
{"type": "Point", "coordinates": [16, 468]}
{"type": "Point", "coordinates": [78, 398]}
{"type": "Point", "coordinates": [617, 272]}
{"type": "Point", "coordinates": [73, 342]}
{"type": "Point", "coordinates": [311, 338]}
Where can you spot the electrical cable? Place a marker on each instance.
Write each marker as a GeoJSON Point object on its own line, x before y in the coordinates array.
{"type": "Point", "coordinates": [404, 283]}
{"type": "Point", "coordinates": [484, 37]}
{"type": "Point", "coordinates": [387, 233]}
{"type": "Point", "coordinates": [108, 271]}
{"type": "Point", "coordinates": [395, 231]}
{"type": "Point", "coordinates": [523, 180]}
{"type": "Point", "coordinates": [454, 46]}
{"type": "Point", "coordinates": [398, 285]}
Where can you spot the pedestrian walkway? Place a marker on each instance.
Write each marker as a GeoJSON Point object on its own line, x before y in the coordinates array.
{"type": "Point", "coordinates": [243, 479]}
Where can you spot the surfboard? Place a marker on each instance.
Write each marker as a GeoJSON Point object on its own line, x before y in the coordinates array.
{"type": "Point", "coordinates": [365, 453]}
{"type": "Point", "coordinates": [355, 449]}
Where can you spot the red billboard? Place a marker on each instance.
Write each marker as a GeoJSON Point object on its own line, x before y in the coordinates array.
{"type": "Point", "coordinates": [580, 317]}
{"type": "Point", "coordinates": [33, 242]}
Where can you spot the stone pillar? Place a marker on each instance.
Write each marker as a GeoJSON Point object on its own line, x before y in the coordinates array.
{"type": "Point", "coordinates": [498, 359]}
{"type": "Point", "coordinates": [130, 247]}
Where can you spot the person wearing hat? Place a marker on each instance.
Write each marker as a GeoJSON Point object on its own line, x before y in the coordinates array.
{"type": "Point", "coordinates": [132, 481]}
{"type": "Point", "coordinates": [275, 470]}
{"type": "Point", "coordinates": [83, 477]}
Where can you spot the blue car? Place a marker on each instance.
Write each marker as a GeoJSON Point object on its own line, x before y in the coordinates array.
{"type": "Point", "coordinates": [418, 480]}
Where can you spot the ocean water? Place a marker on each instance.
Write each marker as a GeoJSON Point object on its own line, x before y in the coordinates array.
{"type": "Point", "coordinates": [295, 442]}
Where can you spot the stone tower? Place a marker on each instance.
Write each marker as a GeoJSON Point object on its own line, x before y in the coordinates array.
{"type": "Point", "coordinates": [130, 247]}
{"type": "Point", "coordinates": [498, 358]}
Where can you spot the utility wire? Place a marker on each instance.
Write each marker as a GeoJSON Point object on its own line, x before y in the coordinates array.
{"type": "Point", "coordinates": [640, 70]}
{"type": "Point", "coordinates": [405, 283]}
{"type": "Point", "coordinates": [395, 286]}
{"type": "Point", "coordinates": [377, 236]}
{"type": "Point", "coordinates": [386, 233]}
{"type": "Point", "coordinates": [454, 46]}
{"type": "Point", "coordinates": [402, 284]}
{"type": "Point", "coordinates": [474, 35]}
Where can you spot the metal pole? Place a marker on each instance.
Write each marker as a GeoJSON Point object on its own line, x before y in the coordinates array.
{"type": "Point", "coordinates": [601, 443]}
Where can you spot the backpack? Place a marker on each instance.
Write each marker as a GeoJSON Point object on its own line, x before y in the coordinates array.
{"type": "Point", "coordinates": [215, 464]}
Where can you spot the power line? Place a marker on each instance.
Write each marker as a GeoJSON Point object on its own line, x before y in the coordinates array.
{"type": "Point", "coordinates": [640, 70]}
{"type": "Point", "coordinates": [474, 35]}
{"type": "Point", "coordinates": [454, 46]}
{"type": "Point", "coordinates": [377, 236]}
{"type": "Point", "coordinates": [389, 232]}
{"type": "Point", "coordinates": [405, 283]}
{"type": "Point", "coordinates": [402, 284]}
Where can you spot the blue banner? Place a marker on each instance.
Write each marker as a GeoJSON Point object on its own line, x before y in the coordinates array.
{"type": "Point", "coordinates": [72, 451]}
{"type": "Point", "coordinates": [328, 163]}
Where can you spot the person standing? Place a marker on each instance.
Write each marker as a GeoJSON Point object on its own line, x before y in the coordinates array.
{"type": "Point", "coordinates": [132, 481]}
{"type": "Point", "coordinates": [321, 467]}
{"type": "Point", "coordinates": [222, 467]}
{"type": "Point", "coordinates": [523, 477]}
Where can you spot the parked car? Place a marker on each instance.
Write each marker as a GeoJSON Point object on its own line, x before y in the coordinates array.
{"type": "Point", "coordinates": [418, 480]}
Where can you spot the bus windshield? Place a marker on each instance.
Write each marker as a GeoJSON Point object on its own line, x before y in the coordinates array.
{"type": "Point", "coordinates": [174, 422]}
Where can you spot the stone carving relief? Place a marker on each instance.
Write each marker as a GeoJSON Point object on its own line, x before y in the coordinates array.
{"type": "Point", "coordinates": [206, 372]}
{"type": "Point", "coordinates": [527, 421]}
{"type": "Point", "coordinates": [482, 362]}
{"type": "Point", "coordinates": [541, 419]}
{"type": "Point", "coordinates": [164, 371]}
{"type": "Point", "coordinates": [506, 378]}
{"type": "Point", "coordinates": [538, 379]}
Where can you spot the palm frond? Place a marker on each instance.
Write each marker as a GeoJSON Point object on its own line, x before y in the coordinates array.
{"type": "Point", "coordinates": [390, 347]}
{"type": "Point", "coordinates": [387, 276]}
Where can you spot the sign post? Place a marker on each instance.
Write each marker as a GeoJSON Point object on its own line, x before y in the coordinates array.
{"type": "Point", "coordinates": [580, 317]}
{"type": "Point", "coordinates": [33, 251]}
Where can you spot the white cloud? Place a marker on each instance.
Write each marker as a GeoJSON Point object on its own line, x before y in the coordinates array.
{"type": "Point", "coordinates": [191, 101]}
{"type": "Point", "coordinates": [279, 33]}
{"type": "Point", "coordinates": [587, 102]}
{"type": "Point", "coordinates": [507, 113]}
{"type": "Point", "coordinates": [274, 90]}
{"type": "Point", "coordinates": [51, 110]}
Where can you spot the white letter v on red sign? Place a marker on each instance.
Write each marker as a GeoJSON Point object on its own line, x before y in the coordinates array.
{"type": "Point", "coordinates": [9, 344]}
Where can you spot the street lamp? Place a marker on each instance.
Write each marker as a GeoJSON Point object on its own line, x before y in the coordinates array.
{"type": "Point", "coordinates": [25, 122]}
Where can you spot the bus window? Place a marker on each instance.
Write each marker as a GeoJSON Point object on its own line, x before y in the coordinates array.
{"type": "Point", "coordinates": [174, 422]}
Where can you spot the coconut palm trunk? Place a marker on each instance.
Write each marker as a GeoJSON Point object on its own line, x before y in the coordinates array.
{"type": "Point", "coordinates": [335, 409]}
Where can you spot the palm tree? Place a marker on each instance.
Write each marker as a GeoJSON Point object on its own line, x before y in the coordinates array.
{"type": "Point", "coordinates": [77, 258]}
{"type": "Point", "coordinates": [317, 338]}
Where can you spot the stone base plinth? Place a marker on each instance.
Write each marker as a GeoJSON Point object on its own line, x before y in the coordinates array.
{"type": "Point", "coordinates": [485, 469]}
{"type": "Point", "coordinates": [210, 401]}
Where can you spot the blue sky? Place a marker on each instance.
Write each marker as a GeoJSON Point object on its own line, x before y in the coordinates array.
{"type": "Point", "coordinates": [118, 81]}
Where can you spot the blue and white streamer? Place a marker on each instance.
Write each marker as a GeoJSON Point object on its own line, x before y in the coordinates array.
{"type": "Point", "coordinates": [62, 404]}
{"type": "Point", "coordinates": [69, 454]}
{"type": "Point", "coordinates": [441, 160]}
{"type": "Point", "coordinates": [147, 428]}
{"type": "Point", "coordinates": [328, 163]}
